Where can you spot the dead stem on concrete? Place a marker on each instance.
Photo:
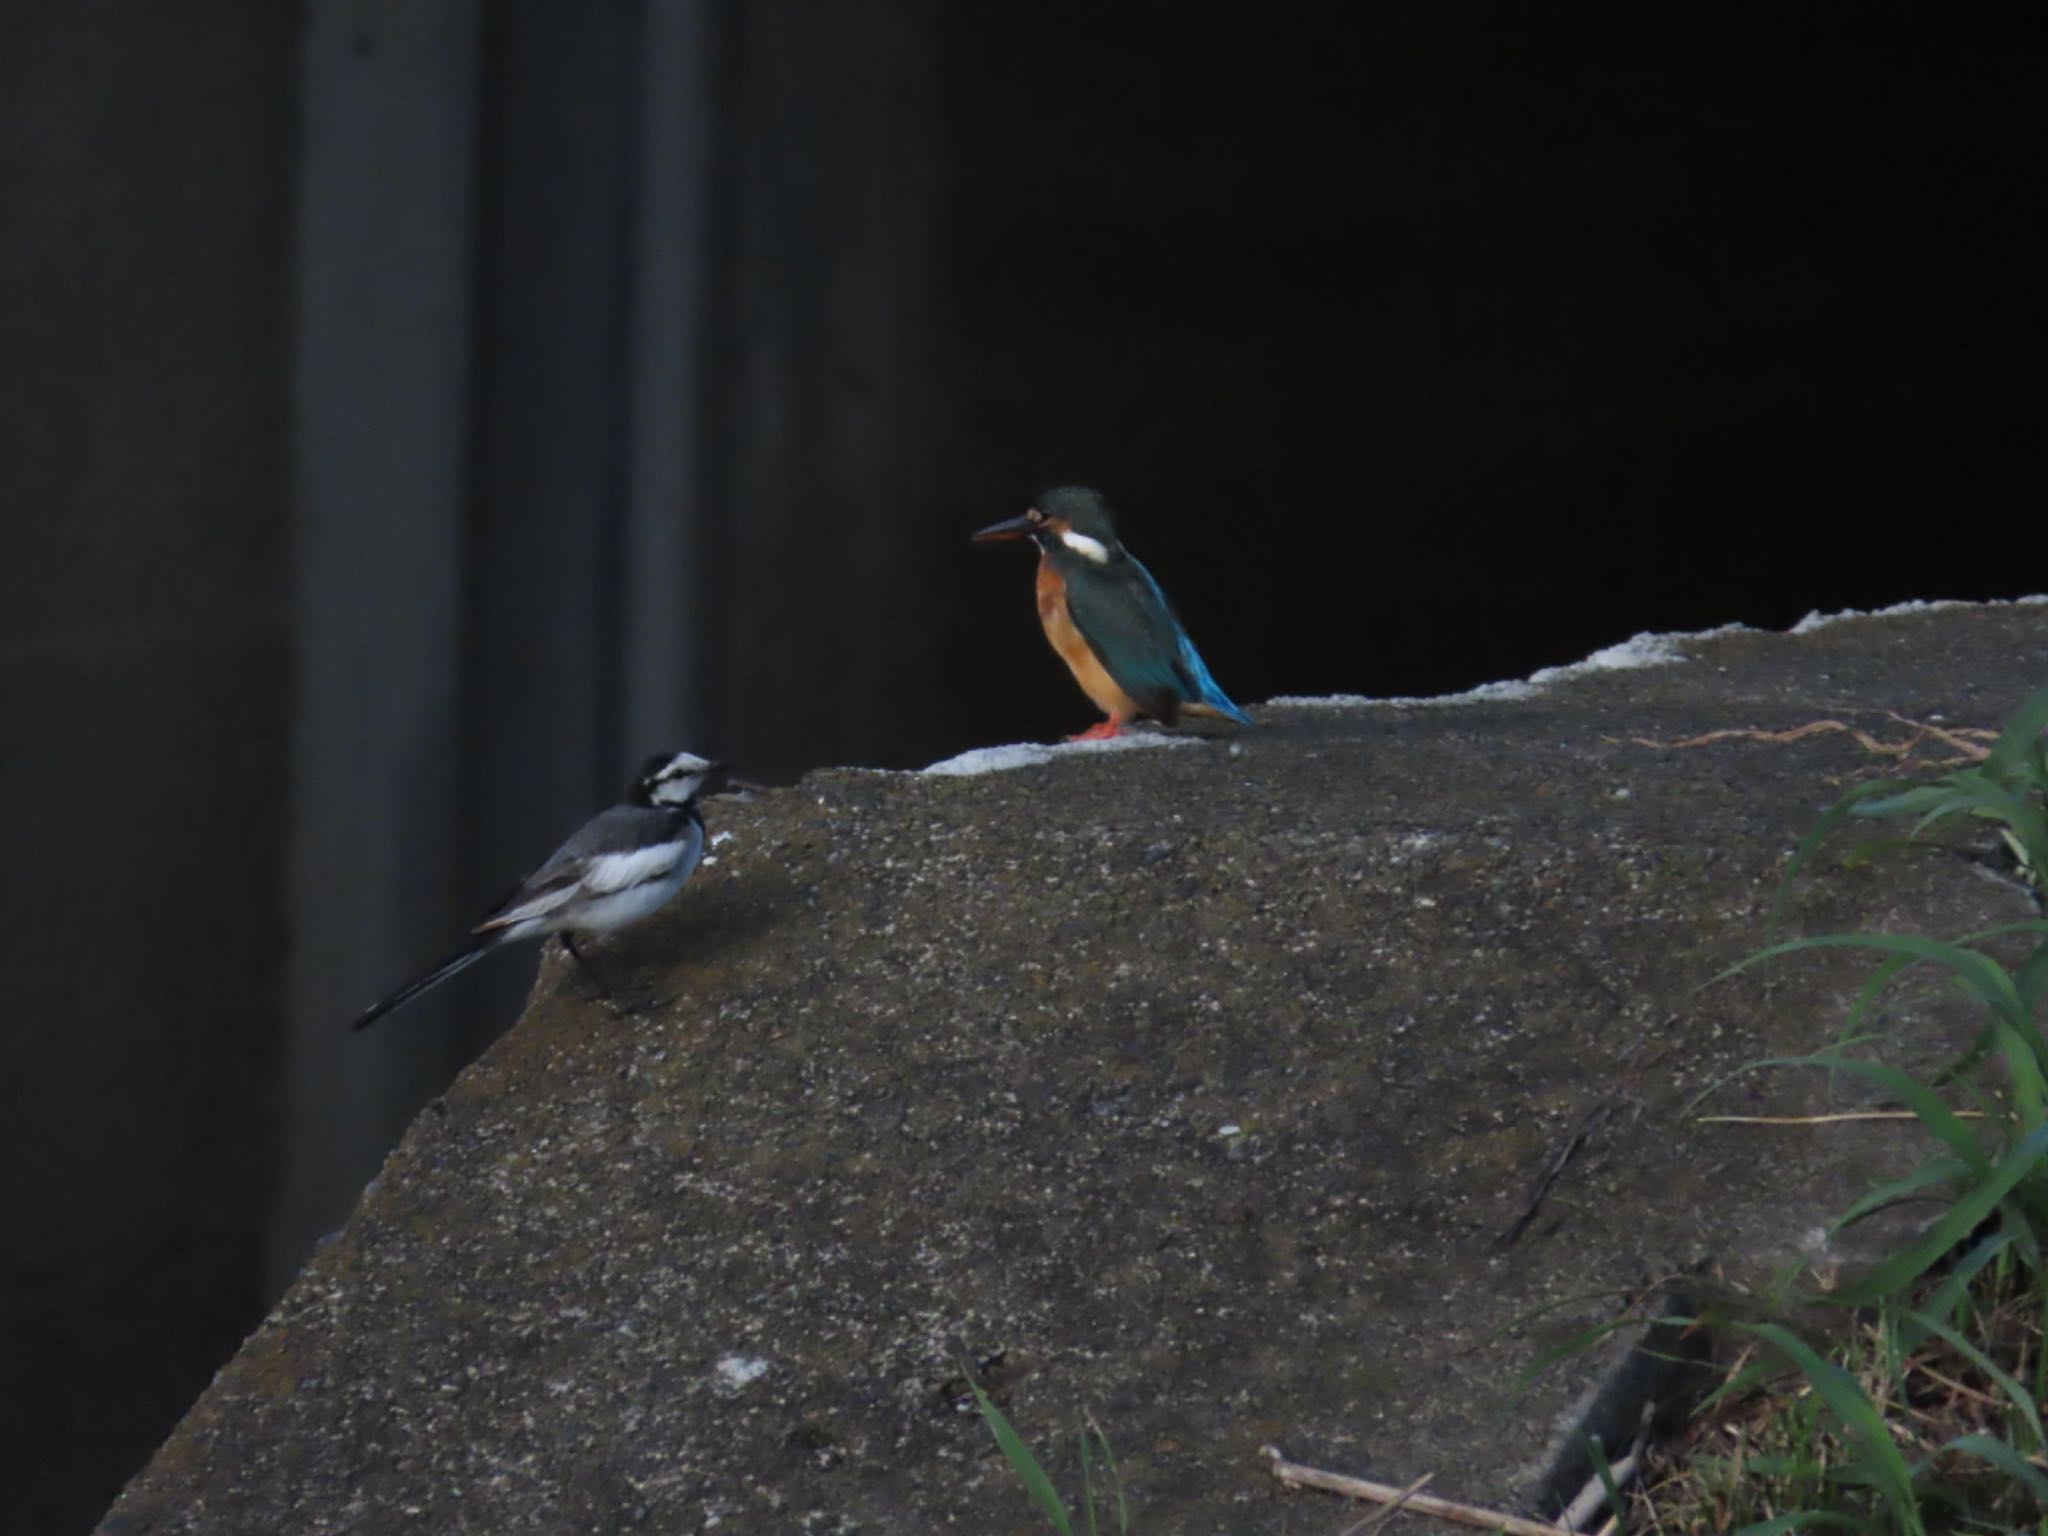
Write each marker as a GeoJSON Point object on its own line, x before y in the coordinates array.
{"type": "Point", "coordinates": [1297, 1476]}
{"type": "Point", "coordinates": [1840, 1118]}
{"type": "Point", "coordinates": [1551, 1172]}
{"type": "Point", "coordinates": [1968, 742]}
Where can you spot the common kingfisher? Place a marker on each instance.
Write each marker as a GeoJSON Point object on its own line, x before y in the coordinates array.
{"type": "Point", "coordinates": [1107, 618]}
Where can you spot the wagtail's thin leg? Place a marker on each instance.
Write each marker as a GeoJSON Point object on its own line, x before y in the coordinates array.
{"type": "Point", "coordinates": [583, 965]}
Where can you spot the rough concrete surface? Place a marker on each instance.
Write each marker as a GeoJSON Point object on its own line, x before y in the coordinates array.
{"type": "Point", "coordinates": [1192, 1088]}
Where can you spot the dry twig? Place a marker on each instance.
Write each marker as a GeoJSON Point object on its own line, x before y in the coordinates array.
{"type": "Point", "coordinates": [1552, 1170]}
{"type": "Point", "coordinates": [1833, 1119]}
{"type": "Point", "coordinates": [1297, 1476]}
{"type": "Point", "coordinates": [1965, 741]}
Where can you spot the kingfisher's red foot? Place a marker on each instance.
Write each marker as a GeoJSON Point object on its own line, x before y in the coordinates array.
{"type": "Point", "coordinates": [1102, 732]}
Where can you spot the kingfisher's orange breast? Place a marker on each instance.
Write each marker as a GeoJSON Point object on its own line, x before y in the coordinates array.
{"type": "Point", "coordinates": [1074, 651]}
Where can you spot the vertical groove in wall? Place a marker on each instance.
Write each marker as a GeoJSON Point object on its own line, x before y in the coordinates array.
{"type": "Point", "coordinates": [673, 526]}
{"type": "Point", "coordinates": [380, 403]}
{"type": "Point", "coordinates": [542, 670]}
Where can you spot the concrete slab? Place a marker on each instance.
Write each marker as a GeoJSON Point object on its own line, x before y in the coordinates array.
{"type": "Point", "coordinates": [1197, 1089]}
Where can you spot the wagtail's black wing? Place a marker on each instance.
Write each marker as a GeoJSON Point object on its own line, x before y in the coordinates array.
{"type": "Point", "coordinates": [622, 847]}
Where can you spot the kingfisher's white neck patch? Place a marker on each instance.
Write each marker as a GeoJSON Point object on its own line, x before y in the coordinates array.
{"type": "Point", "coordinates": [1087, 548]}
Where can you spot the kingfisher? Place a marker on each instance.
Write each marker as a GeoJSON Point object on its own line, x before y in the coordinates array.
{"type": "Point", "coordinates": [1107, 618]}
{"type": "Point", "coordinates": [620, 866]}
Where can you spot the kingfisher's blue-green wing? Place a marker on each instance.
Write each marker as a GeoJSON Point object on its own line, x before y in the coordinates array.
{"type": "Point", "coordinates": [1129, 627]}
{"type": "Point", "coordinates": [1126, 621]}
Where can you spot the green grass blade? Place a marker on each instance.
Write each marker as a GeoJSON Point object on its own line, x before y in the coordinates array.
{"type": "Point", "coordinates": [1691, 1105]}
{"type": "Point", "coordinates": [1999, 804]}
{"type": "Point", "coordinates": [2026, 1244]}
{"type": "Point", "coordinates": [1028, 1470]}
{"type": "Point", "coordinates": [1907, 802]}
{"type": "Point", "coordinates": [2031, 979]}
{"type": "Point", "coordinates": [2026, 1054]}
{"type": "Point", "coordinates": [1943, 1300]}
{"type": "Point", "coordinates": [1974, 1055]}
{"type": "Point", "coordinates": [1108, 1459]}
{"type": "Point", "coordinates": [2025, 925]}
{"type": "Point", "coordinates": [1881, 1460]}
{"type": "Point", "coordinates": [1868, 994]}
{"type": "Point", "coordinates": [1583, 1340]}
{"type": "Point", "coordinates": [1953, 1227]}
{"type": "Point", "coordinates": [1758, 1373]}
{"type": "Point", "coordinates": [2019, 744]}
{"type": "Point", "coordinates": [2005, 1458]}
{"type": "Point", "coordinates": [1087, 1485]}
{"type": "Point", "coordinates": [1940, 1170]}
{"type": "Point", "coordinates": [2027, 838]}
{"type": "Point", "coordinates": [1596, 1449]}
{"type": "Point", "coordinates": [1830, 819]}
{"type": "Point", "coordinates": [1983, 976]}
{"type": "Point", "coordinates": [1615, 1294]}
{"type": "Point", "coordinates": [2020, 816]}
{"type": "Point", "coordinates": [2030, 976]}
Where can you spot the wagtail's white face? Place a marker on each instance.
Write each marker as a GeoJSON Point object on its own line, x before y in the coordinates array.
{"type": "Point", "coordinates": [677, 780]}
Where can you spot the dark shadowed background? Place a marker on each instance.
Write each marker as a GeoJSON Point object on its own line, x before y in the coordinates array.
{"type": "Point", "coordinates": [413, 412]}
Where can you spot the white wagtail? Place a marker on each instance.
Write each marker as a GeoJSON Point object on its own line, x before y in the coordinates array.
{"type": "Point", "coordinates": [618, 867]}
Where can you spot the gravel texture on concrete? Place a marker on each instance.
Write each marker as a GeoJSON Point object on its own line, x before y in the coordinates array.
{"type": "Point", "coordinates": [1199, 1090]}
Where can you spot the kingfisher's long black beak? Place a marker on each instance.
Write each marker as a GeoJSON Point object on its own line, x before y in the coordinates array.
{"type": "Point", "coordinates": [1015, 528]}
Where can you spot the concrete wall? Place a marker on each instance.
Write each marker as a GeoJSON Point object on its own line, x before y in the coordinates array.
{"type": "Point", "coordinates": [501, 284]}
{"type": "Point", "coordinates": [826, 415]}
{"type": "Point", "coordinates": [608, 377]}
{"type": "Point", "coordinates": [145, 645]}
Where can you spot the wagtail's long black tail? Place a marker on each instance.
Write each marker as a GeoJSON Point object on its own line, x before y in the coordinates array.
{"type": "Point", "coordinates": [459, 961]}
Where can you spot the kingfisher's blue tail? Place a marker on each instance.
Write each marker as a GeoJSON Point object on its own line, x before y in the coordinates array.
{"type": "Point", "coordinates": [1205, 685]}
{"type": "Point", "coordinates": [1207, 694]}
